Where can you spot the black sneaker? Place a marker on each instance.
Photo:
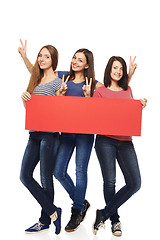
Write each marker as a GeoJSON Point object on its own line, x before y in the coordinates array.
{"type": "Point", "coordinates": [99, 222]}
{"type": "Point", "coordinates": [86, 207]}
{"type": "Point", "coordinates": [116, 229]}
{"type": "Point", "coordinates": [75, 220]}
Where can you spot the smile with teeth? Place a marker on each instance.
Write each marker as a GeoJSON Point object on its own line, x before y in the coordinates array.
{"type": "Point", "coordinates": [117, 75]}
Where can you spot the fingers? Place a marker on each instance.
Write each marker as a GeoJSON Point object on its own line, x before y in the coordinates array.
{"type": "Point", "coordinates": [144, 102]}
{"type": "Point", "coordinates": [134, 59]}
{"type": "Point", "coordinates": [90, 83]}
{"type": "Point", "coordinates": [67, 79]}
{"type": "Point", "coordinates": [26, 96]}
{"type": "Point", "coordinates": [22, 43]}
{"type": "Point", "coordinates": [63, 79]}
{"type": "Point", "coordinates": [87, 81]}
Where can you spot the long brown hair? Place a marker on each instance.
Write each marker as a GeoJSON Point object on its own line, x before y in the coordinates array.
{"type": "Point", "coordinates": [38, 73]}
{"type": "Point", "coordinates": [123, 82]}
{"type": "Point", "coordinates": [89, 72]}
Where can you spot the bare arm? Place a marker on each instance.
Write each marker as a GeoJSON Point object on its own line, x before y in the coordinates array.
{"type": "Point", "coordinates": [23, 52]}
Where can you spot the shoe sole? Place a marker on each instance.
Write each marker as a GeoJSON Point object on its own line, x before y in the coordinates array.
{"type": "Point", "coordinates": [37, 231]}
{"type": "Point", "coordinates": [86, 213]}
{"type": "Point", "coordinates": [72, 230]}
{"type": "Point", "coordinates": [117, 234]}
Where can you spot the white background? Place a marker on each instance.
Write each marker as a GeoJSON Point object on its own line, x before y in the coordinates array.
{"type": "Point", "coordinates": [107, 28]}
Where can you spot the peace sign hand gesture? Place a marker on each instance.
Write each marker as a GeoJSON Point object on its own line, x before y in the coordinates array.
{"type": "Point", "coordinates": [132, 67]}
{"type": "Point", "coordinates": [23, 49]}
{"type": "Point", "coordinates": [63, 88]}
{"type": "Point", "coordinates": [87, 88]}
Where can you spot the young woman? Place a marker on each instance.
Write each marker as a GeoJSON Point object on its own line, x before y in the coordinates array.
{"type": "Point", "coordinates": [110, 148]}
{"type": "Point", "coordinates": [81, 83]}
{"type": "Point", "coordinates": [42, 146]}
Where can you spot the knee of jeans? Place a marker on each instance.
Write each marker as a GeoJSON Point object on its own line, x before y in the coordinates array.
{"type": "Point", "coordinates": [24, 178]}
{"type": "Point", "coordinates": [136, 186]}
{"type": "Point", "coordinates": [58, 174]}
{"type": "Point", "coordinates": [110, 183]}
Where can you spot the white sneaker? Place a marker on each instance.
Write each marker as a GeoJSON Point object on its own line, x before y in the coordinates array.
{"type": "Point", "coordinates": [116, 229]}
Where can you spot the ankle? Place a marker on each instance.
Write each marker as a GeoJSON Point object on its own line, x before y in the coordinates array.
{"type": "Point", "coordinates": [54, 216]}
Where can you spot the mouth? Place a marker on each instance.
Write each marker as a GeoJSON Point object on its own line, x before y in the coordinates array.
{"type": "Point", "coordinates": [117, 75]}
{"type": "Point", "coordinates": [42, 64]}
{"type": "Point", "coordinates": [75, 66]}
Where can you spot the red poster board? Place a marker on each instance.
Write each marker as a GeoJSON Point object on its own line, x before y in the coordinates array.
{"type": "Point", "coordinates": [84, 115]}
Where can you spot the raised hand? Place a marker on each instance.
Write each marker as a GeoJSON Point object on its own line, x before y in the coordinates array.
{"type": "Point", "coordinates": [87, 88]}
{"type": "Point", "coordinates": [132, 67]}
{"type": "Point", "coordinates": [63, 88]}
{"type": "Point", "coordinates": [23, 49]}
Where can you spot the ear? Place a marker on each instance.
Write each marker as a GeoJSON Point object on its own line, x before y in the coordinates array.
{"type": "Point", "coordinates": [87, 66]}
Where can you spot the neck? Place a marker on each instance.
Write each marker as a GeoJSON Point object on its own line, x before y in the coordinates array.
{"type": "Point", "coordinates": [48, 73]}
{"type": "Point", "coordinates": [114, 86]}
{"type": "Point", "coordinates": [79, 77]}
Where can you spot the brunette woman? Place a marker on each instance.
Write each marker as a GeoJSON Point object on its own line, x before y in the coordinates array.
{"type": "Point", "coordinates": [42, 146]}
{"type": "Point", "coordinates": [80, 82]}
{"type": "Point", "coordinates": [112, 148]}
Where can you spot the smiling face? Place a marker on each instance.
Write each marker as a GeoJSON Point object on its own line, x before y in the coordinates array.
{"type": "Point", "coordinates": [44, 59]}
{"type": "Point", "coordinates": [79, 62]}
{"type": "Point", "coordinates": [116, 71]}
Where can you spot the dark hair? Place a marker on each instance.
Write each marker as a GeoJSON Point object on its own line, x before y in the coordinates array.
{"type": "Point", "coordinates": [123, 82]}
{"type": "Point", "coordinates": [89, 72]}
{"type": "Point", "coordinates": [37, 72]}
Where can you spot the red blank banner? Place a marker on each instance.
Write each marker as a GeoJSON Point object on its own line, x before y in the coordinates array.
{"type": "Point", "coordinates": [84, 115]}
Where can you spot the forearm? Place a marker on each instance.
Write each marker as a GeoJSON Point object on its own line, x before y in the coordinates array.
{"type": "Point", "coordinates": [129, 77]}
{"type": "Point", "coordinates": [28, 64]}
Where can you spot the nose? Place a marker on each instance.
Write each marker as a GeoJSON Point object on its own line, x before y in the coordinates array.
{"type": "Point", "coordinates": [118, 70]}
{"type": "Point", "coordinates": [41, 58]}
{"type": "Point", "coordinates": [74, 60]}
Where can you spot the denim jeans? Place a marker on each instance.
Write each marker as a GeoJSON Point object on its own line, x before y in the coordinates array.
{"type": "Point", "coordinates": [42, 146]}
{"type": "Point", "coordinates": [108, 150]}
{"type": "Point", "coordinates": [83, 144]}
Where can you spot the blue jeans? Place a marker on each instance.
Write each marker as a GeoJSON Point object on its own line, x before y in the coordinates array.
{"type": "Point", "coordinates": [108, 150]}
{"type": "Point", "coordinates": [42, 146]}
{"type": "Point", "coordinates": [83, 144]}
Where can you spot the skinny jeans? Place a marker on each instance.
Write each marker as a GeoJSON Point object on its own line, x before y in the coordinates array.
{"type": "Point", "coordinates": [82, 143]}
{"type": "Point", "coordinates": [108, 150]}
{"type": "Point", "coordinates": [42, 146]}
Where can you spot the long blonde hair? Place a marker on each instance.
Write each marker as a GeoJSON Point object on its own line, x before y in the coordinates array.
{"type": "Point", "coordinates": [38, 73]}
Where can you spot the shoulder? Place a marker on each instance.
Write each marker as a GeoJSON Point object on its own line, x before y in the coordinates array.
{"type": "Point", "coordinates": [98, 84]}
{"type": "Point", "coordinates": [98, 92]}
{"type": "Point", "coordinates": [61, 73]}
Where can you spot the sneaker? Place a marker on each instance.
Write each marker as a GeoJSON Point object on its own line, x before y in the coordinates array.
{"type": "Point", "coordinates": [99, 222]}
{"type": "Point", "coordinates": [86, 207]}
{"type": "Point", "coordinates": [57, 223]}
{"type": "Point", "coordinates": [38, 227]}
{"type": "Point", "coordinates": [75, 220]}
{"type": "Point", "coordinates": [116, 229]}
